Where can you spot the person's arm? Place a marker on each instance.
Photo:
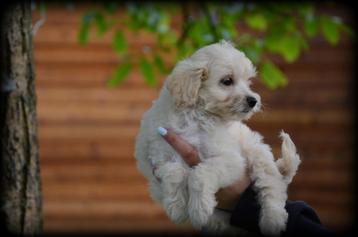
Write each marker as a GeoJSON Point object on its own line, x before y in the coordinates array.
{"type": "Point", "coordinates": [302, 219]}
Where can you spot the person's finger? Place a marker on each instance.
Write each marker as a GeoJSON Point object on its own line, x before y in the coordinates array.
{"type": "Point", "coordinates": [188, 153]}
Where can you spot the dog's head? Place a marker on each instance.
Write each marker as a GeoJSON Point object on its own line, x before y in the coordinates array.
{"type": "Point", "coordinates": [216, 77]}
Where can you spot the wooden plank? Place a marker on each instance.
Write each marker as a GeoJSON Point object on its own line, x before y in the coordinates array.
{"type": "Point", "coordinates": [101, 171]}
{"type": "Point", "coordinates": [114, 226]}
{"type": "Point", "coordinates": [99, 111]}
{"type": "Point", "coordinates": [335, 220]}
{"type": "Point", "coordinates": [322, 197]}
{"type": "Point", "coordinates": [125, 175]}
{"type": "Point", "coordinates": [60, 76]}
{"type": "Point", "coordinates": [121, 133]}
{"type": "Point", "coordinates": [138, 212]}
{"type": "Point", "coordinates": [102, 54]}
{"type": "Point", "coordinates": [63, 192]}
{"type": "Point", "coordinates": [82, 112]}
{"type": "Point", "coordinates": [88, 132]}
{"type": "Point", "coordinates": [320, 100]}
{"type": "Point", "coordinates": [323, 180]}
{"type": "Point", "coordinates": [312, 98]}
{"type": "Point", "coordinates": [307, 148]}
{"type": "Point", "coordinates": [86, 152]}
{"type": "Point", "coordinates": [114, 151]}
{"type": "Point", "coordinates": [107, 170]}
{"type": "Point", "coordinates": [100, 96]}
{"type": "Point", "coordinates": [129, 210]}
{"type": "Point", "coordinates": [115, 191]}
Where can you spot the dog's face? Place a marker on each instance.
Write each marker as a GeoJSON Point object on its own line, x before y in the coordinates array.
{"type": "Point", "coordinates": [216, 77]}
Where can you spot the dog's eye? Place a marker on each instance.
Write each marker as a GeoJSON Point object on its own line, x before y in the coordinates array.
{"type": "Point", "coordinates": [227, 81]}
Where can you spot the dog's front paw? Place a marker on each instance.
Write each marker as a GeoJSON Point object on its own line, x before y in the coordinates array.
{"type": "Point", "coordinates": [273, 221]}
{"type": "Point", "coordinates": [199, 213]}
{"type": "Point", "coordinates": [176, 205]}
{"type": "Point", "coordinates": [175, 194]}
{"type": "Point", "coordinates": [177, 211]}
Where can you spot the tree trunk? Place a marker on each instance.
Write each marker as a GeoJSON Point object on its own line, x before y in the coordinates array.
{"type": "Point", "coordinates": [21, 199]}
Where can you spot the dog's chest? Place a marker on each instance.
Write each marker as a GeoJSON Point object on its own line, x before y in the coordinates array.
{"type": "Point", "coordinates": [213, 143]}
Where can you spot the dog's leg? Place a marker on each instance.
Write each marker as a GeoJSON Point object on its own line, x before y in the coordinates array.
{"type": "Point", "coordinates": [270, 187]}
{"type": "Point", "coordinates": [173, 178]}
{"type": "Point", "coordinates": [267, 179]}
{"type": "Point", "coordinates": [205, 180]}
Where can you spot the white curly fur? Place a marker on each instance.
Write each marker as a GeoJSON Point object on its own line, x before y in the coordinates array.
{"type": "Point", "coordinates": [206, 113]}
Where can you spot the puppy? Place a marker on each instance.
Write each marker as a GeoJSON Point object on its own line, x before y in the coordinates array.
{"type": "Point", "coordinates": [204, 100]}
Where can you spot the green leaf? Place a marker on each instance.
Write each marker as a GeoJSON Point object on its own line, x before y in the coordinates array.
{"type": "Point", "coordinates": [159, 63]}
{"type": "Point", "coordinates": [252, 53]}
{"type": "Point", "coordinates": [184, 51]}
{"type": "Point", "coordinates": [288, 45]}
{"type": "Point", "coordinates": [306, 10]}
{"type": "Point", "coordinates": [119, 42]}
{"type": "Point", "coordinates": [119, 75]}
{"type": "Point", "coordinates": [311, 26]}
{"type": "Point", "coordinates": [289, 24]}
{"type": "Point", "coordinates": [256, 21]}
{"type": "Point", "coordinates": [101, 23]}
{"type": "Point", "coordinates": [168, 38]}
{"type": "Point", "coordinates": [330, 28]}
{"type": "Point", "coordinates": [84, 30]}
{"type": "Point", "coordinates": [272, 76]}
{"type": "Point", "coordinates": [148, 72]}
{"type": "Point", "coordinates": [196, 32]}
{"type": "Point", "coordinates": [290, 48]}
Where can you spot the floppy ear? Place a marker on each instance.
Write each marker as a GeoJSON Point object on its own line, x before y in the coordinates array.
{"type": "Point", "coordinates": [185, 80]}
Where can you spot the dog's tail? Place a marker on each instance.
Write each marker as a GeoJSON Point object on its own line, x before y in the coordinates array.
{"type": "Point", "coordinates": [290, 160]}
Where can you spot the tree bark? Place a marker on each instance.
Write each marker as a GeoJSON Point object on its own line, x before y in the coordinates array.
{"type": "Point", "coordinates": [21, 199]}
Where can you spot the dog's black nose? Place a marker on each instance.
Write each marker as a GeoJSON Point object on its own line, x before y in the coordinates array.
{"type": "Point", "coordinates": [251, 101]}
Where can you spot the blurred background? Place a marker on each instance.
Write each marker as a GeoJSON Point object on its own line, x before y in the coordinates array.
{"type": "Point", "coordinates": [91, 96]}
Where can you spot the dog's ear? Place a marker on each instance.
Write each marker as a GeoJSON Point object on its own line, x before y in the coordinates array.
{"type": "Point", "coordinates": [185, 80]}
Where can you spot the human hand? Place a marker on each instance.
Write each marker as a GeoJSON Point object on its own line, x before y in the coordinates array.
{"type": "Point", "coordinates": [226, 197]}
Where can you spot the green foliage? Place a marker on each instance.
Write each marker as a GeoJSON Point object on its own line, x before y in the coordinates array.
{"type": "Point", "coordinates": [158, 62]}
{"type": "Point", "coordinates": [330, 27]}
{"type": "Point", "coordinates": [283, 30]}
{"type": "Point", "coordinates": [87, 20]}
{"type": "Point", "coordinates": [120, 74]}
{"type": "Point", "coordinates": [84, 28]}
{"type": "Point", "coordinates": [288, 45]}
{"type": "Point", "coordinates": [101, 23]}
{"type": "Point", "coordinates": [147, 71]}
{"type": "Point", "coordinates": [119, 42]}
{"type": "Point", "coordinates": [272, 75]}
{"type": "Point", "coordinates": [256, 21]}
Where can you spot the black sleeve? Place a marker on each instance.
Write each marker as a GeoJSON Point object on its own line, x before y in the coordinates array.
{"type": "Point", "coordinates": [302, 220]}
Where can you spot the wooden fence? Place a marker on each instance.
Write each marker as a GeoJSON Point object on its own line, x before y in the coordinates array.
{"type": "Point", "coordinates": [87, 131]}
